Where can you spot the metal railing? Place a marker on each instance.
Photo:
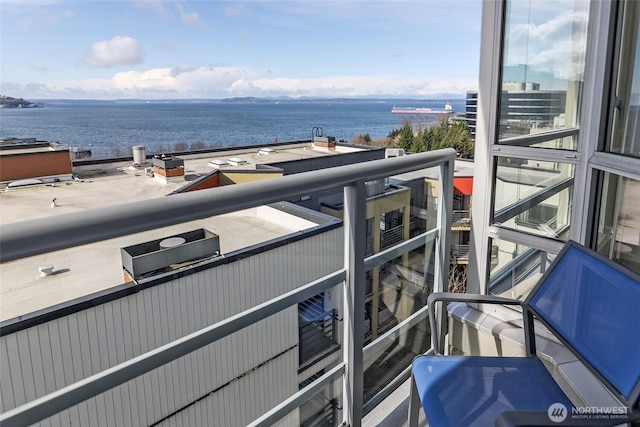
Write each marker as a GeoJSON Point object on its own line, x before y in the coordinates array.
{"type": "Point", "coordinates": [391, 236]}
{"type": "Point", "coordinates": [461, 217]}
{"type": "Point", "coordinates": [28, 238]}
{"type": "Point", "coordinates": [460, 252]}
{"type": "Point", "coordinates": [317, 331]}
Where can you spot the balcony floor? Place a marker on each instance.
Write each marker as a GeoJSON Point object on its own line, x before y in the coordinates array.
{"type": "Point", "coordinates": [393, 411]}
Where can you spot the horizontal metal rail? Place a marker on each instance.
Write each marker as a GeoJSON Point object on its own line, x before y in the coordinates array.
{"type": "Point", "coordinates": [33, 237]}
{"type": "Point", "coordinates": [396, 332]}
{"type": "Point", "coordinates": [381, 342]}
{"type": "Point", "coordinates": [301, 397]}
{"type": "Point", "coordinates": [536, 138]}
{"type": "Point", "coordinates": [527, 203]}
{"type": "Point", "coordinates": [82, 390]}
{"type": "Point", "coordinates": [400, 249]}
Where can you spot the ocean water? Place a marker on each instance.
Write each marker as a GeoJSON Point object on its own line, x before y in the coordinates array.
{"type": "Point", "coordinates": [112, 128]}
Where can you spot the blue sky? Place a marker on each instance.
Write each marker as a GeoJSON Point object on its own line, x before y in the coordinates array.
{"type": "Point", "coordinates": [216, 49]}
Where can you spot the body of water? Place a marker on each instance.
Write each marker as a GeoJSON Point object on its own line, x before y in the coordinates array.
{"type": "Point", "coordinates": [111, 128]}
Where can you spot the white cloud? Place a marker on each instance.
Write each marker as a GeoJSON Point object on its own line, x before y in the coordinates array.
{"type": "Point", "coordinates": [167, 10]}
{"type": "Point", "coordinates": [352, 86]}
{"type": "Point", "coordinates": [159, 8]}
{"type": "Point", "coordinates": [555, 45]}
{"type": "Point", "coordinates": [189, 18]}
{"type": "Point", "coordinates": [184, 80]}
{"type": "Point", "coordinates": [188, 81]}
{"type": "Point", "coordinates": [236, 10]}
{"type": "Point", "coordinates": [38, 66]}
{"type": "Point", "coordinates": [112, 53]}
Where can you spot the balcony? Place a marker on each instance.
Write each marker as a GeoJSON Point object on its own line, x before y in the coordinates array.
{"type": "Point", "coordinates": [182, 343]}
{"type": "Point", "coordinates": [461, 220]}
{"type": "Point", "coordinates": [460, 254]}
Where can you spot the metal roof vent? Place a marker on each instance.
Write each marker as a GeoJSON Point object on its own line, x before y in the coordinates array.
{"type": "Point", "coordinates": [266, 150]}
{"type": "Point", "coordinates": [324, 142]}
{"type": "Point", "coordinates": [157, 256]}
{"type": "Point", "coordinates": [393, 152]}
{"type": "Point", "coordinates": [216, 163]}
{"type": "Point", "coordinates": [237, 161]}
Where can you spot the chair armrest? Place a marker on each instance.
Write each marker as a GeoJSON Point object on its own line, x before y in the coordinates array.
{"type": "Point", "coordinates": [447, 297]}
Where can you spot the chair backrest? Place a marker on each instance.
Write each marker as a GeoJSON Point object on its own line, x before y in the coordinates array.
{"type": "Point", "coordinates": [592, 304]}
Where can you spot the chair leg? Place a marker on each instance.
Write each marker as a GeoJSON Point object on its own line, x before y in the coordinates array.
{"type": "Point", "coordinates": [414, 404]}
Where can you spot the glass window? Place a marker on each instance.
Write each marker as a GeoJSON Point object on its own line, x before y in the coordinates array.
{"type": "Point", "coordinates": [626, 120]}
{"type": "Point", "coordinates": [543, 64]}
{"type": "Point", "coordinates": [533, 196]}
{"type": "Point", "coordinates": [542, 141]}
{"type": "Point", "coordinates": [618, 234]}
{"type": "Point", "coordinates": [515, 268]}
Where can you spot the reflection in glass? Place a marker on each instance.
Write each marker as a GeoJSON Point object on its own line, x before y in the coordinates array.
{"type": "Point", "coordinates": [401, 208]}
{"type": "Point", "coordinates": [403, 286]}
{"type": "Point", "coordinates": [533, 196]}
{"type": "Point", "coordinates": [626, 121]}
{"type": "Point", "coordinates": [562, 143]}
{"type": "Point", "coordinates": [515, 268]}
{"type": "Point", "coordinates": [322, 409]}
{"type": "Point", "coordinates": [618, 234]}
{"type": "Point", "coordinates": [543, 64]}
{"type": "Point", "coordinates": [386, 360]}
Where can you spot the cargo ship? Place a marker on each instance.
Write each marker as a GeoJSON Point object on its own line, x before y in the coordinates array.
{"type": "Point", "coordinates": [448, 109]}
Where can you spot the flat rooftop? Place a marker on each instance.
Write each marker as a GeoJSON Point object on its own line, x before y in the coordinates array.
{"type": "Point", "coordinates": [87, 269]}
{"type": "Point", "coordinates": [27, 145]}
{"type": "Point", "coordinates": [29, 150]}
{"type": "Point", "coordinates": [254, 157]}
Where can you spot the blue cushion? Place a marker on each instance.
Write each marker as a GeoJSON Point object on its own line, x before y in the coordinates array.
{"type": "Point", "coordinates": [593, 306]}
{"type": "Point", "coordinates": [462, 391]}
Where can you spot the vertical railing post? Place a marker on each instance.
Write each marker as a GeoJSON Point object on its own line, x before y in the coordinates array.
{"type": "Point", "coordinates": [353, 337]}
{"type": "Point", "coordinates": [443, 240]}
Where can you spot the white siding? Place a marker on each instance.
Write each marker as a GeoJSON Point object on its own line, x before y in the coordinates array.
{"type": "Point", "coordinates": [219, 408]}
{"type": "Point", "coordinates": [44, 358]}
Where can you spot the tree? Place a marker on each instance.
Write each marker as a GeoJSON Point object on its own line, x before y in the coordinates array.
{"type": "Point", "coordinates": [180, 146]}
{"type": "Point", "coordinates": [362, 139]}
{"type": "Point", "coordinates": [445, 134]}
{"type": "Point", "coordinates": [405, 137]}
{"type": "Point", "coordinates": [421, 142]}
{"type": "Point", "coordinates": [457, 278]}
{"type": "Point", "coordinates": [198, 145]}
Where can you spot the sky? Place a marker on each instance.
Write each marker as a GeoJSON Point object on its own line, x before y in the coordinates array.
{"type": "Point", "coordinates": [179, 49]}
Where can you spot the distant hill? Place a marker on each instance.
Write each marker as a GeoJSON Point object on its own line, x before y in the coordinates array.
{"type": "Point", "coordinates": [9, 102]}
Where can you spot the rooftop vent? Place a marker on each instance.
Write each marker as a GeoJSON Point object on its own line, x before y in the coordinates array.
{"type": "Point", "coordinates": [139, 155]}
{"type": "Point", "coordinates": [216, 163]}
{"type": "Point", "coordinates": [168, 253]}
{"type": "Point", "coordinates": [266, 150]}
{"type": "Point", "coordinates": [167, 168]}
{"type": "Point", "coordinates": [393, 152]}
{"type": "Point", "coordinates": [324, 141]}
{"type": "Point", "coordinates": [237, 161]}
{"type": "Point", "coordinates": [167, 162]}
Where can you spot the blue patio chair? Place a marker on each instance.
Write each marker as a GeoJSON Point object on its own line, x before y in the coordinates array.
{"type": "Point", "coordinates": [589, 303]}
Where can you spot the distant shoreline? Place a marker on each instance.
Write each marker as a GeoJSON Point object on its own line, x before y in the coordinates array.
{"type": "Point", "coordinates": [248, 100]}
{"type": "Point", "coordinates": [9, 102]}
